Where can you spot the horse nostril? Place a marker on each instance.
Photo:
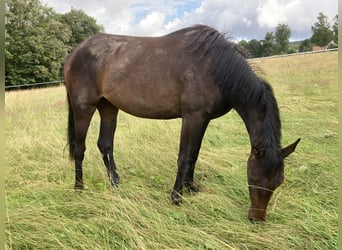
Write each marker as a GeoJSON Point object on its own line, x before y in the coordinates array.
{"type": "Point", "coordinates": [251, 219]}
{"type": "Point", "coordinates": [256, 220]}
{"type": "Point", "coordinates": [256, 216]}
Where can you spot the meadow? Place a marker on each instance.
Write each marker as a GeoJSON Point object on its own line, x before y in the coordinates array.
{"type": "Point", "coordinates": [44, 212]}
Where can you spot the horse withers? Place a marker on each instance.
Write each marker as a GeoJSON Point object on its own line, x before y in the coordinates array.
{"type": "Point", "coordinates": [194, 74]}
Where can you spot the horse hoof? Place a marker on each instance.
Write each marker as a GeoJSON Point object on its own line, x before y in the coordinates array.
{"type": "Point", "coordinates": [114, 179]}
{"type": "Point", "coordinates": [79, 186]}
{"type": "Point", "coordinates": [176, 198]}
{"type": "Point", "coordinates": [192, 187]}
{"type": "Point", "coordinates": [115, 182]}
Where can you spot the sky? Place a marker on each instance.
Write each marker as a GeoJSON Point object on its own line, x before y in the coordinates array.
{"type": "Point", "coordinates": [240, 19]}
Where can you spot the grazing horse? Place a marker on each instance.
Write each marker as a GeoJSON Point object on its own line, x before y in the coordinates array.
{"type": "Point", "coordinates": [194, 74]}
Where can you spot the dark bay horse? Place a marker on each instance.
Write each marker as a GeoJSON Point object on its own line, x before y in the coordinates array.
{"type": "Point", "coordinates": [194, 74]}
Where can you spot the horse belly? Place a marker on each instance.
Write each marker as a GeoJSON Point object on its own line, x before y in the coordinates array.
{"type": "Point", "coordinates": [146, 100]}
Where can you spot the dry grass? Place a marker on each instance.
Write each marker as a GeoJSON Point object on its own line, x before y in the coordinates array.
{"type": "Point", "coordinates": [44, 212]}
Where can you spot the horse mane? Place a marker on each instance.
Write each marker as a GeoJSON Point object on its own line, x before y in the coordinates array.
{"type": "Point", "coordinates": [270, 135]}
{"type": "Point", "coordinates": [219, 60]}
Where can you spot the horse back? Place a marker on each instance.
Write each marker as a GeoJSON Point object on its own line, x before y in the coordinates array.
{"type": "Point", "coordinates": [150, 77]}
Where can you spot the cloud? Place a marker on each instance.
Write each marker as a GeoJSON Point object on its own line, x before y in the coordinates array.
{"type": "Point", "coordinates": [272, 12]}
{"type": "Point", "coordinates": [154, 20]}
{"type": "Point", "coordinates": [153, 17]}
{"type": "Point", "coordinates": [246, 19]}
{"type": "Point", "coordinates": [300, 15]}
{"type": "Point", "coordinates": [231, 16]}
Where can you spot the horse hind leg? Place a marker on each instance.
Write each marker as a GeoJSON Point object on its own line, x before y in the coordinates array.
{"type": "Point", "coordinates": [81, 120]}
{"type": "Point", "coordinates": [108, 114]}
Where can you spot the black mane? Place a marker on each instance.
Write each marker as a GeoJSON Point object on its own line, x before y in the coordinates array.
{"type": "Point", "coordinates": [241, 86]}
{"type": "Point", "coordinates": [219, 59]}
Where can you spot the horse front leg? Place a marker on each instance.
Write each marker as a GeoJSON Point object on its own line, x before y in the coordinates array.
{"type": "Point", "coordinates": [193, 129]}
{"type": "Point", "coordinates": [189, 183]}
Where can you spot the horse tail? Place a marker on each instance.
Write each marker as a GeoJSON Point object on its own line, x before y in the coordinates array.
{"type": "Point", "coordinates": [71, 131]}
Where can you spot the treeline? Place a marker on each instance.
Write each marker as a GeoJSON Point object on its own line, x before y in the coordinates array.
{"type": "Point", "coordinates": [278, 42]}
{"type": "Point", "coordinates": [38, 40]}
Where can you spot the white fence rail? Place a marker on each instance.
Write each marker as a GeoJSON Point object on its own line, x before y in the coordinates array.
{"type": "Point", "coordinates": [33, 85]}
{"type": "Point", "coordinates": [295, 54]}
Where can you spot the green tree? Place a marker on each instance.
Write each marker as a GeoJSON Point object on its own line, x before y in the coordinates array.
{"type": "Point", "coordinates": [81, 25]}
{"type": "Point", "coordinates": [282, 38]}
{"type": "Point", "coordinates": [255, 48]}
{"type": "Point", "coordinates": [268, 44]}
{"type": "Point", "coordinates": [242, 47]}
{"type": "Point", "coordinates": [35, 43]}
{"type": "Point", "coordinates": [305, 45]}
{"type": "Point", "coordinates": [322, 33]}
{"type": "Point", "coordinates": [335, 30]}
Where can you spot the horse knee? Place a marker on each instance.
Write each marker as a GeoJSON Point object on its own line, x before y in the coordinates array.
{"type": "Point", "coordinates": [79, 152]}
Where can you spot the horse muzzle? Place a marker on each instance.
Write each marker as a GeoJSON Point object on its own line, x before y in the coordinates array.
{"type": "Point", "coordinates": [256, 215]}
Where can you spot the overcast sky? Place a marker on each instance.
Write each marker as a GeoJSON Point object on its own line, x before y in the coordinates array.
{"type": "Point", "coordinates": [242, 19]}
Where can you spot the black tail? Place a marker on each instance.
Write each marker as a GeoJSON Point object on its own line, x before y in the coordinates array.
{"type": "Point", "coordinates": [71, 132]}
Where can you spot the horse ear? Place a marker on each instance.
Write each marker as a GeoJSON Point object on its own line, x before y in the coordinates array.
{"type": "Point", "coordinates": [258, 153]}
{"type": "Point", "coordinates": [289, 149]}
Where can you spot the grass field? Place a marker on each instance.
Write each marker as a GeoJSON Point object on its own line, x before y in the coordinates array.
{"type": "Point", "coordinates": [44, 212]}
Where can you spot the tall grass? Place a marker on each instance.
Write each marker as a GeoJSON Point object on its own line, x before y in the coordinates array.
{"type": "Point", "coordinates": [44, 212]}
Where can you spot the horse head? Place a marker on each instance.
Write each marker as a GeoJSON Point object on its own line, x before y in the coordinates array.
{"type": "Point", "coordinates": [264, 179]}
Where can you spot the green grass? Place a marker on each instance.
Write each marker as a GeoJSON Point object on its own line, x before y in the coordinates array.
{"type": "Point", "coordinates": [44, 212]}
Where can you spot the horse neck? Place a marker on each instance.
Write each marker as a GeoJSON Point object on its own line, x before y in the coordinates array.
{"type": "Point", "coordinates": [263, 123]}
